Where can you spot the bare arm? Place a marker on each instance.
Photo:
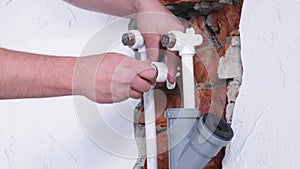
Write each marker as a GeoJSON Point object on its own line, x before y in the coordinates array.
{"type": "Point", "coordinates": [25, 75]}
{"type": "Point", "coordinates": [103, 78]}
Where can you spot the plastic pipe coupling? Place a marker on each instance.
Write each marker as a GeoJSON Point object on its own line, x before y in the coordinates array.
{"type": "Point", "coordinates": [193, 141]}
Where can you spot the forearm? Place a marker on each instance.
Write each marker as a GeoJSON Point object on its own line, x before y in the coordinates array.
{"type": "Point", "coordinates": [119, 7]}
{"type": "Point", "coordinates": [24, 75]}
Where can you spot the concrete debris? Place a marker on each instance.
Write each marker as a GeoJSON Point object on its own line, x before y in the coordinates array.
{"type": "Point", "coordinates": [230, 66]}
{"type": "Point", "coordinates": [233, 90]}
{"type": "Point", "coordinates": [139, 133]}
{"type": "Point", "coordinates": [195, 8]}
{"type": "Point", "coordinates": [232, 93]}
{"type": "Point", "coordinates": [229, 112]}
{"type": "Point", "coordinates": [228, 2]}
{"type": "Point", "coordinates": [206, 8]}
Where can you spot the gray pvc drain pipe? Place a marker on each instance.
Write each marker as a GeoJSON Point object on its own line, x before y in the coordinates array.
{"type": "Point", "coordinates": [193, 141]}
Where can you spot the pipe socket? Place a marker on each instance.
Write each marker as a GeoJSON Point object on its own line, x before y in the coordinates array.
{"type": "Point", "coordinates": [194, 142]}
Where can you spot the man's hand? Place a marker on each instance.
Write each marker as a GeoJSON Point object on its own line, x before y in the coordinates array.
{"type": "Point", "coordinates": [154, 20]}
{"type": "Point", "coordinates": [112, 77]}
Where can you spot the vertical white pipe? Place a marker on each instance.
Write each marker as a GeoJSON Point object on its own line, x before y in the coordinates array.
{"type": "Point", "coordinates": [188, 81]}
{"type": "Point", "coordinates": [151, 145]}
{"type": "Point", "coordinates": [149, 104]}
{"type": "Point", "coordinates": [150, 125]}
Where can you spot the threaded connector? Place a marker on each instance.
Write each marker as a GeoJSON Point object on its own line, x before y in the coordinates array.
{"type": "Point", "coordinates": [128, 39]}
{"type": "Point", "coordinates": [168, 40]}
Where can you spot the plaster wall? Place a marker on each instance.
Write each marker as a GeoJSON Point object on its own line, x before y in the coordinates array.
{"type": "Point", "coordinates": [266, 115]}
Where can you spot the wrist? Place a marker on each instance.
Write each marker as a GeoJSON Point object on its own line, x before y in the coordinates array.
{"type": "Point", "coordinates": [84, 76]}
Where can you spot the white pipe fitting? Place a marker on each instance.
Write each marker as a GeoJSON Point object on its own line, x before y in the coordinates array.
{"type": "Point", "coordinates": [185, 44]}
{"type": "Point", "coordinates": [170, 85]}
{"type": "Point", "coordinates": [162, 71]}
{"type": "Point", "coordinates": [134, 40]}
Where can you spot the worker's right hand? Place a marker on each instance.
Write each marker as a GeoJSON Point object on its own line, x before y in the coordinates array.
{"type": "Point", "coordinates": [112, 77]}
{"type": "Point", "coordinates": [154, 20]}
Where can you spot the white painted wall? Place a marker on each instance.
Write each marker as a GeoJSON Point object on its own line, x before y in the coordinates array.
{"type": "Point", "coordinates": [266, 117]}
{"type": "Point", "coordinates": [45, 133]}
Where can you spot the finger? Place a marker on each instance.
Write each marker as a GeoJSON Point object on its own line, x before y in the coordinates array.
{"type": "Point", "coordinates": [140, 85]}
{"type": "Point", "coordinates": [135, 94]}
{"type": "Point", "coordinates": [147, 72]}
{"type": "Point", "coordinates": [172, 63]}
{"type": "Point", "coordinates": [152, 42]}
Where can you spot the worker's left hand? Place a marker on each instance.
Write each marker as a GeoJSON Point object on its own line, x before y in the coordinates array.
{"type": "Point", "coordinates": [112, 77]}
{"type": "Point", "coordinates": [154, 20]}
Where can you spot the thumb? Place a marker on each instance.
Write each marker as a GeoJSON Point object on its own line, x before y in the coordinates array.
{"type": "Point", "coordinates": [147, 72]}
{"type": "Point", "coordinates": [172, 62]}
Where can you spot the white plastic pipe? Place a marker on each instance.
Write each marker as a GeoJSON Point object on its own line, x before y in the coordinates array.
{"type": "Point", "coordinates": [150, 125]}
{"type": "Point", "coordinates": [150, 129]}
{"type": "Point", "coordinates": [188, 81]}
{"type": "Point", "coordinates": [149, 107]}
{"type": "Point", "coordinates": [149, 111]}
